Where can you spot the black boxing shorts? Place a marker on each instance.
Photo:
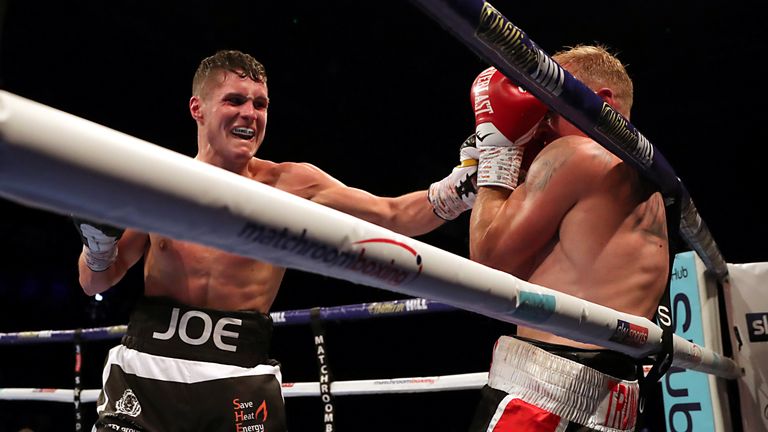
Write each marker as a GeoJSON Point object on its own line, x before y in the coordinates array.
{"type": "Point", "coordinates": [556, 388]}
{"type": "Point", "coordinates": [182, 368]}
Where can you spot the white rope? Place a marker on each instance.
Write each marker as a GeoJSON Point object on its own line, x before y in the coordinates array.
{"type": "Point", "coordinates": [56, 161]}
{"type": "Point", "coordinates": [47, 394]}
{"type": "Point", "coordinates": [469, 381]}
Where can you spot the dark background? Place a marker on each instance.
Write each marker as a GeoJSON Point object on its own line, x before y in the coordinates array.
{"type": "Point", "coordinates": [376, 94]}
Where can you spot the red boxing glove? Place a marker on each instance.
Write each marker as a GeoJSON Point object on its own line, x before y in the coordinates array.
{"type": "Point", "coordinates": [506, 119]}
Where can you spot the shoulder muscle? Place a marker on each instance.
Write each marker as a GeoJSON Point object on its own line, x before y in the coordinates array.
{"type": "Point", "coordinates": [576, 159]}
{"type": "Point", "coordinates": [302, 179]}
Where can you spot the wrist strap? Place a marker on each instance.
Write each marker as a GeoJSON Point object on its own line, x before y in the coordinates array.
{"type": "Point", "coordinates": [99, 261]}
{"type": "Point", "coordinates": [499, 166]}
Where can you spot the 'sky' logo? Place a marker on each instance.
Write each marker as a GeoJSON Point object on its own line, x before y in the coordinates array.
{"type": "Point", "coordinates": [757, 324]}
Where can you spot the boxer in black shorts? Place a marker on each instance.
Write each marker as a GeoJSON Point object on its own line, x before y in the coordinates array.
{"type": "Point", "coordinates": [182, 368]}
{"type": "Point", "coordinates": [229, 104]}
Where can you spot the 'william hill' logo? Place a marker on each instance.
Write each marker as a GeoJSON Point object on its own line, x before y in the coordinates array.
{"type": "Point", "coordinates": [403, 265]}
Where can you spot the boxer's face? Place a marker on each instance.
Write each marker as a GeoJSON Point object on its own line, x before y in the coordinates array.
{"type": "Point", "coordinates": [232, 115]}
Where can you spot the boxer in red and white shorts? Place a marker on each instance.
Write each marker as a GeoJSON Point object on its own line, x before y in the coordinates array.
{"type": "Point", "coordinates": [556, 388]}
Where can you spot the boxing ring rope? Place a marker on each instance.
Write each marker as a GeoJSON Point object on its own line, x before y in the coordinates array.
{"type": "Point", "coordinates": [468, 381]}
{"type": "Point", "coordinates": [53, 160]}
{"type": "Point", "coordinates": [286, 318]}
{"type": "Point", "coordinates": [494, 38]}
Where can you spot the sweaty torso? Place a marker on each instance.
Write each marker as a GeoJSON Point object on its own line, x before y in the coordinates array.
{"type": "Point", "coordinates": [611, 248]}
{"type": "Point", "coordinates": [201, 276]}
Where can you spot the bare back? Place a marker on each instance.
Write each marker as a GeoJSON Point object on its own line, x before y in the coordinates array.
{"type": "Point", "coordinates": [611, 246]}
{"type": "Point", "coordinates": [201, 276]}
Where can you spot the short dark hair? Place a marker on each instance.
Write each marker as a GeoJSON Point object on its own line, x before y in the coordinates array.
{"type": "Point", "coordinates": [228, 60]}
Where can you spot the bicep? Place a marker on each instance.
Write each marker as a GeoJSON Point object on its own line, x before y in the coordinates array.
{"type": "Point", "coordinates": [307, 181]}
{"type": "Point", "coordinates": [409, 214]}
{"type": "Point", "coordinates": [130, 249]}
{"type": "Point", "coordinates": [332, 193]}
{"type": "Point", "coordinates": [314, 184]}
{"type": "Point", "coordinates": [529, 219]}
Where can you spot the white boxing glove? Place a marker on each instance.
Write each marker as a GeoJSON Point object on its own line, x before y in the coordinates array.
{"type": "Point", "coordinates": [99, 243]}
{"type": "Point", "coordinates": [456, 193]}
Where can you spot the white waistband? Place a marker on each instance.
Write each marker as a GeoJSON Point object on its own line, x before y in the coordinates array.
{"type": "Point", "coordinates": [179, 370]}
{"type": "Point", "coordinates": [564, 387]}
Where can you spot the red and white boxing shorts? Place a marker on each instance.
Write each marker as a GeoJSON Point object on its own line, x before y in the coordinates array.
{"type": "Point", "coordinates": [530, 389]}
